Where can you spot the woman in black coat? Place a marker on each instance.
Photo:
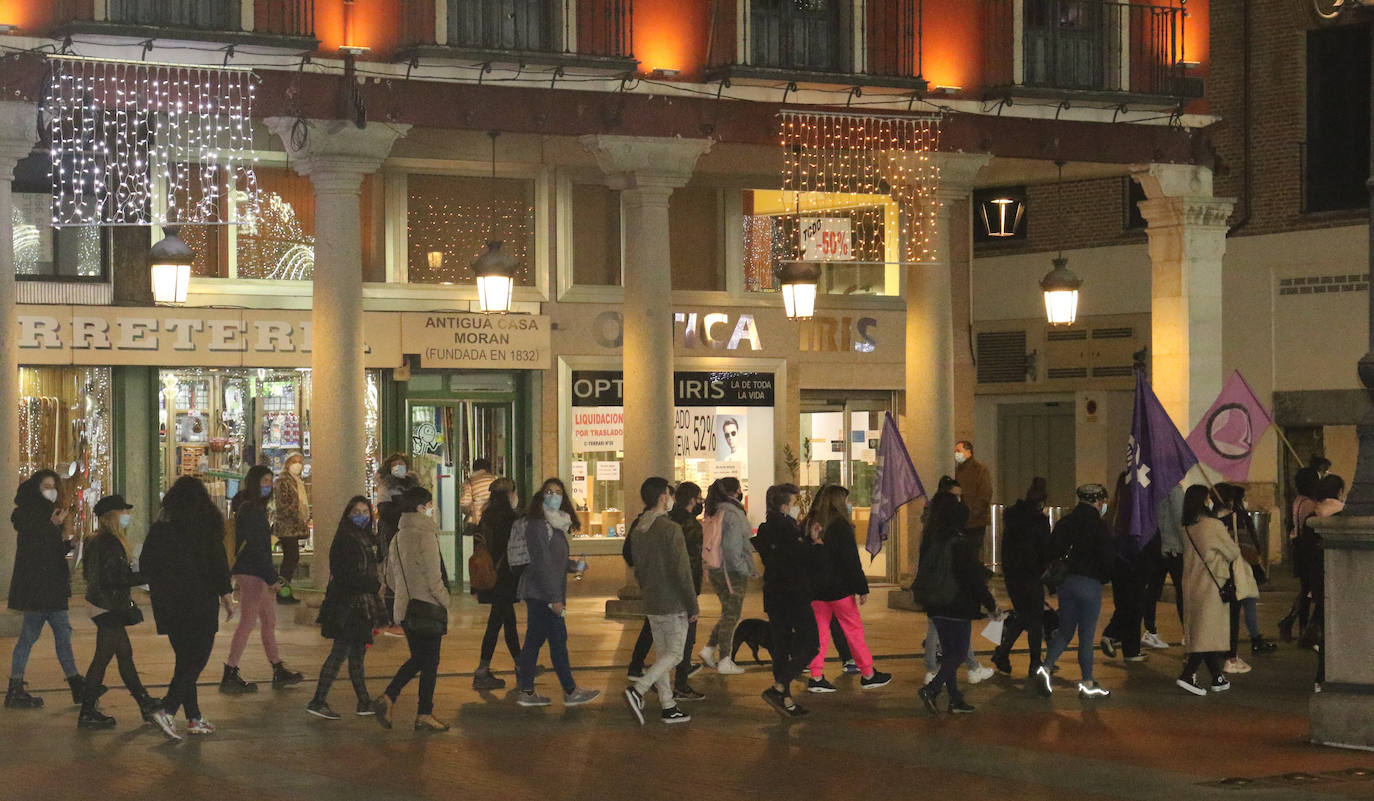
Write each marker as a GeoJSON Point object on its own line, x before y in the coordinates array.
{"type": "Point", "coordinates": [41, 583]}
{"type": "Point", "coordinates": [352, 607]}
{"type": "Point", "coordinates": [109, 579]}
{"type": "Point", "coordinates": [188, 581]}
{"type": "Point", "coordinates": [494, 534]}
{"type": "Point", "coordinates": [1025, 555]}
{"type": "Point", "coordinates": [953, 619]}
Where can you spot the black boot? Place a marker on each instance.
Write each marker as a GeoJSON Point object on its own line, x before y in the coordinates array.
{"type": "Point", "coordinates": [78, 685]}
{"type": "Point", "coordinates": [91, 717]}
{"type": "Point", "coordinates": [18, 698]}
{"type": "Point", "coordinates": [1002, 662]}
{"type": "Point", "coordinates": [1259, 645]}
{"type": "Point", "coordinates": [1286, 625]}
{"type": "Point", "coordinates": [282, 678]}
{"type": "Point", "coordinates": [233, 683]}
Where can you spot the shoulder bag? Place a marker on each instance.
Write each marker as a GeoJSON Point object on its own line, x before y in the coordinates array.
{"type": "Point", "coordinates": [1056, 571]}
{"type": "Point", "coordinates": [423, 619]}
{"type": "Point", "coordinates": [1227, 590]}
{"type": "Point", "coordinates": [481, 568]}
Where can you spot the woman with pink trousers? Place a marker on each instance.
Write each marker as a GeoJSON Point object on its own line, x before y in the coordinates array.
{"type": "Point", "coordinates": [839, 588]}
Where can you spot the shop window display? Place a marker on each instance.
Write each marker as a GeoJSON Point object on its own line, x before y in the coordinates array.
{"type": "Point", "coordinates": [449, 220]}
{"type": "Point", "coordinates": [840, 446]}
{"type": "Point", "coordinates": [64, 426]}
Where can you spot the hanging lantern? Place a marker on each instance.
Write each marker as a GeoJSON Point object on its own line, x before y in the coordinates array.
{"type": "Point", "coordinates": [435, 258]}
{"type": "Point", "coordinates": [495, 270]}
{"type": "Point", "coordinates": [170, 264]}
{"type": "Point", "coordinates": [798, 282]}
{"type": "Point", "coordinates": [1060, 286]}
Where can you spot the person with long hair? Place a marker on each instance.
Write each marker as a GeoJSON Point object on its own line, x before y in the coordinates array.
{"type": "Point", "coordinates": [394, 478]}
{"type": "Point", "coordinates": [543, 586]}
{"type": "Point", "coordinates": [1249, 574]}
{"type": "Point", "coordinates": [493, 534]}
{"type": "Point", "coordinates": [41, 583]}
{"type": "Point", "coordinates": [1208, 552]}
{"type": "Point", "coordinates": [109, 579]}
{"type": "Point", "coordinates": [188, 582]}
{"type": "Point", "coordinates": [352, 607]}
{"type": "Point", "coordinates": [291, 522]}
{"type": "Point", "coordinates": [949, 493]}
{"type": "Point", "coordinates": [257, 582]}
{"type": "Point", "coordinates": [839, 588]}
{"type": "Point", "coordinates": [414, 572]}
{"type": "Point", "coordinates": [1330, 500]}
{"type": "Point", "coordinates": [729, 559]}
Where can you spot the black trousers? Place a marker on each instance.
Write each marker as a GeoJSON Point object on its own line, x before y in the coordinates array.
{"type": "Point", "coordinates": [1130, 587]}
{"type": "Point", "coordinates": [1028, 600]}
{"type": "Point", "coordinates": [1212, 658]}
{"type": "Point", "coordinates": [1169, 566]}
{"type": "Point", "coordinates": [792, 628]}
{"type": "Point", "coordinates": [352, 650]}
{"type": "Point", "coordinates": [501, 617]}
{"type": "Point", "coordinates": [290, 558]}
{"type": "Point", "coordinates": [112, 642]}
{"type": "Point", "coordinates": [424, 660]}
{"type": "Point", "coordinates": [192, 648]}
{"type": "Point", "coordinates": [646, 641]}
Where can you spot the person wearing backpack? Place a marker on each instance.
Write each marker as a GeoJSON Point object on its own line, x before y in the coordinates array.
{"type": "Point", "coordinates": [951, 585]}
{"type": "Point", "coordinates": [1082, 542]}
{"type": "Point", "coordinates": [493, 535]}
{"type": "Point", "coordinates": [729, 560]}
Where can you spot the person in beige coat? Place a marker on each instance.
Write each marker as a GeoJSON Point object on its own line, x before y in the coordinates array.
{"type": "Point", "coordinates": [290, 522]}
{"type": "Point", "coordinates": [1208, 552]}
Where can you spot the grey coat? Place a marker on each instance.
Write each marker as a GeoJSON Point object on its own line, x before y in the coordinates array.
{"type": "Point", "coordinates": [737, 550]}
{"type": "Point", "coordinates": [662, 567]}
{"type": "Point", "coordinates": [412, 564]}
{"type": "Point", "coordinates": [545, 578]}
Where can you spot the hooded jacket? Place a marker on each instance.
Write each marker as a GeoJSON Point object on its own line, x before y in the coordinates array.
{"type": "Point", "coordinates": [788, 556]}
{"type": "Point", "coordinates": [661, 565]}
{"type": "Point", "coordinates": [184, 564]}
{"type": "Point", "coordinates": [1026, 544]}
{"type": "Point", "coordinates": [838, 573]}
{"type": "Point", "coordinates": [42, 580]}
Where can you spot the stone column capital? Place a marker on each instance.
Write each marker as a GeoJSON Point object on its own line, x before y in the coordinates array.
{"type": "Point", "coordinates": [1190, 211]}
{"type": "Point", "coordinates": [958, 171]}
{"type": "Point", "coordinates": [639, 162]}
{"type": "Point", "coordinates": [327, 150]}
{"type": "Point", "coordinates": [1173, 180]}
{"type": "Point", "coordinates": [18, 133]}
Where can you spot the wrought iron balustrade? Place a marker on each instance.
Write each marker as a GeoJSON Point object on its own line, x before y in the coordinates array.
{"type": "Point", "coordinates": [591, 29]}
{"type": "Point", "coordinates": [293, 18]}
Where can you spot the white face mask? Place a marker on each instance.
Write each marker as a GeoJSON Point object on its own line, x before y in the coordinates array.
{"type": "Point", "coordinates": [959, 457]}
{"type": "Point", "coordinates": [399, 471]}
{"type": "Point", "coordinates": [51, 495]}
{"type": "Point", "coordinates": [124, 521]}
{"type": "Point", "coordinates": [294, 468]}
{"type": "Point", "coordinates": [794, 512]}
{"type": "Point", "coordinates": [428, 511]}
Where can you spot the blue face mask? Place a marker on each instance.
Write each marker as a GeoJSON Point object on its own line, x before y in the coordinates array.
{"type": "Point", "coordinates": [553, 501]}
{"type": "Point", "coordinates": [361, 521]}
{"type": "Point", "coordinates": [265, 491]}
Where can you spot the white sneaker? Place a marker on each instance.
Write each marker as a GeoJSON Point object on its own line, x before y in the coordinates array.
{"type": "Point", "coordinates": [930, 677]}
{"type": "Point", "coordinates": [1236, 665]}
{"type": "Point", "coordinates": [980, 674]}
{"type": "Point", "coordinates": [1152, 640]}
{"type": "Point", "coordinates": [708, 655]}
{"type": "Point", "coordinates": [727, 667]}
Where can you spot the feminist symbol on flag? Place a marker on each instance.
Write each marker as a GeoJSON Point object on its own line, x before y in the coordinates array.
{"type": "Point", "coordinates": [1141, 470]}
{"type": "Point", "coordinates": [1230, 432]}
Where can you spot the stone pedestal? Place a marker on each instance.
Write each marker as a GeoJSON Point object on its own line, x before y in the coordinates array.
{"type": "Point", "coordinates": [1342, 714]}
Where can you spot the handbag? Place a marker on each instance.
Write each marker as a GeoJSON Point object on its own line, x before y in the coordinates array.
{"type": "Point", "coordinates": [1056, 571]}
{"type": "Point", "coordinates": [130, 615]}
{"type": "Point", "coordinates": [481, 570]}
{"type": "Point", "coordinates": [1227, 590]}
{"type": "Point", "coordinates": [423, 619]}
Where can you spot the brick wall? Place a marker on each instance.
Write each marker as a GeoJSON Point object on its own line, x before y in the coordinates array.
{"type": "Point", "coordinates": [1083, 214]}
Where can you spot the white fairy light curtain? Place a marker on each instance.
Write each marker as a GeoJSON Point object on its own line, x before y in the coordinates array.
{"type": "Point", "coordinates": [148, 144]}
{"type": "Point", "coordinates": [858, 166]}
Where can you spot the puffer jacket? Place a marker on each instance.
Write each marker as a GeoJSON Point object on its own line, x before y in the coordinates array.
{"type": "Point", "coordinates": [42, 580]}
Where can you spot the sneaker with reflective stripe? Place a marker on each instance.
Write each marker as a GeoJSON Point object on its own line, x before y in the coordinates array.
{"type": "Point", "coordinates": [1092, 690]}
{"type": "Point", "coordinates": [1043, 686]}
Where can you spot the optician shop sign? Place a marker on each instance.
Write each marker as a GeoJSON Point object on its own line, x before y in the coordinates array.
{"type": "Point", "coordinates": [598, 412]}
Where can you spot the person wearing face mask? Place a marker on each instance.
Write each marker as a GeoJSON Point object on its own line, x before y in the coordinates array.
{"type": "Point", "coordinates": [787, 554]}
{"type": "Point", "coordinates": [949, 492]}
{"type": "Point", "coordinates": [687, 506]}
{"type": "Point", "coordinates": [1208, 552]}
{"type": "Point", "coordinates": [109, 579]}
{"type": "Point", "coordinates": [543, 533]}
{"type": "Point", "coordinates": [41, 584]}
{"type": "Point", "coordinates": [729, 561]}
{"type": "Point", "coordinates": [291, 523]}
{"type": "Point", "coordinates": [494, 535]}
{"type": "Point", "coordinates": [414, 571]}
{"type": "Point", "coordinates": [351, 607]}
{"type": "Point", "coordinates": [975, 483]}
{"type": "Point", "coordinates": [1083, 540]}
{"type": "Point", "coordinates": [394, 478]}
{"type": "Point", "coordinates": [257, 582]}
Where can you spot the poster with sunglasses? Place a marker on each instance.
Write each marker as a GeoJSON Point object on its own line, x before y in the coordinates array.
{"type": "Point", "coordinates": [732, 439]}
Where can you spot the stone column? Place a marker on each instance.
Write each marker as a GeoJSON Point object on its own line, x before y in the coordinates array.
{"type": "Point", "coordinates": [336, 155]}
{"type": "Point", "coordinates": [646, 171]}
{"type": "Point", "coordinates": [1342, 714]}
{"type": "Point", "coordinates": [17, 133]}
{"type": "Point", "coordinates": [928, 425]}
{"type": "Point", "coordinates": [1187, 233]}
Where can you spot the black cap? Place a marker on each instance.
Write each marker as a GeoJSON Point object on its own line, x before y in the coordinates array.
{"type": "Point", "coordinates": [111, 503]}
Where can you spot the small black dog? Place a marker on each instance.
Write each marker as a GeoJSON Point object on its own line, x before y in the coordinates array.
{"type": "Point", "coordinates": [755, 634]}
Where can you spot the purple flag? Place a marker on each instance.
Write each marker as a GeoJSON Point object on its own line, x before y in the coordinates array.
{"type": "Point", "coordinates": [1157, 458]}
{"type": "Point", "coordinates": [1225, 437]}
{"type": "Point", "coordinates": [897, 484]}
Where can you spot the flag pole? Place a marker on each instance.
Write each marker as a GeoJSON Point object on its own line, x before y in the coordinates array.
{"type": "Point", "coordinates": [1278, 430]}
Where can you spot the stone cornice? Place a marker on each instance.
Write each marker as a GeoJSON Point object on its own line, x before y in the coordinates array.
{"type": "Point", "coordinates": [18, 132]}
{"type": "Point", "coordinates": [335, 146]}
{"type": "Point", "coordinates": [1188, 212]}
{"type": "Point", "coordinates": [634, 162]}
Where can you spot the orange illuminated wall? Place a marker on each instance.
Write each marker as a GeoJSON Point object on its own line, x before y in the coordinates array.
{"type": "Point", "coordinates": [376, 24]}
{"type": "Point", "coordinates": [953, 52]}
{"type": "Point", "coordinates": [672, 34]}
{"type": "Point", "coordinates": [34, 15]}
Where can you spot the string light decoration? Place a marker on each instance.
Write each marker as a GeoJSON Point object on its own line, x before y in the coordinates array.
{"type": "Point", "coordinates": [442, 218]}
{"type": "Point", "coordinates": [829, 155]}
{"type": "Point", "coordinates": [138, 143]}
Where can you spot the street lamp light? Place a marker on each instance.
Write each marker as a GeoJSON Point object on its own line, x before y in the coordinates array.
{"type": "Point", "coordinates": [495, 271]}
{"type": "Point", "coordinates": [798, 282]}
{"type": "Point", "coordinates": [1060, 286]}
{"type": "Point", "coordinates": [170, 266]}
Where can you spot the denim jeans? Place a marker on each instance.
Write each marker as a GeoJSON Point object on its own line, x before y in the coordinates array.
{"type": "Point", "coordinates": [1080, 602]}
{"type": "Point", "coordinates": [543, 625]}
{"type": "Point", "coordinates": [932, 643]}
{"type": "Point", "coordinates": [956, 634]}
{"type": "Point", "coordinates": [32, 628]}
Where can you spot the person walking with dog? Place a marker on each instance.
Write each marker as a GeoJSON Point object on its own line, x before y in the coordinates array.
{"type": "Point", "coordinates": [664, 572]}
{"type": "Point", "coordinates": [787, 554]}
{"type": "Point", "coordinates": [729, 560]}
{"type": "Point", "coordinates": [839, 588]}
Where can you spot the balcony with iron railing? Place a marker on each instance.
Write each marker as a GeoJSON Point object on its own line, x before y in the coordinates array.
{"type": "Point", "coordinates": [830, 42]}
{"type": "Point", "coordinates": [288, 23]}
{"type": "Point", "coordinates": [1112, 50]}
{"type": "Point", "coordinates": [585, 33]}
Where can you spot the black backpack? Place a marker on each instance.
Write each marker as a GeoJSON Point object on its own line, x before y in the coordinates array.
{"type": "Point", "coordinates": [935, 585]}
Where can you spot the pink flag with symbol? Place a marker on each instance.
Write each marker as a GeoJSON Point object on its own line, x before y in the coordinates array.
{"type": "Point", "coordinates": [1225, 437]}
